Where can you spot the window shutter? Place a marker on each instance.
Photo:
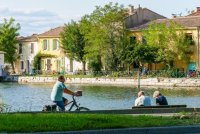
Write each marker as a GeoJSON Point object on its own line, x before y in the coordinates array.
{"type": "Point", "coordinates": [43, 45]}
{"type": "Point", "coordinates": [48, 45]}
{"type": "Point", "coordinates": [58, 44]}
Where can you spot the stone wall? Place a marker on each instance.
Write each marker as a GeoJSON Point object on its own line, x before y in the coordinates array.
{"type": "Point", "coordinates": [169, 82]}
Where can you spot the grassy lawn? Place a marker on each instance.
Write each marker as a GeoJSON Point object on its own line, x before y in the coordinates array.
{"type": "Point", "coordinates": [40, 122]}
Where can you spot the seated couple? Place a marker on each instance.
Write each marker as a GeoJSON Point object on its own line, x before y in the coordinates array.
{"type": "Point", "coordinates": [143, 100]}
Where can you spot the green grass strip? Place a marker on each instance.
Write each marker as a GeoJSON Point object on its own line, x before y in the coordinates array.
{"type": "Point", "coordinates": [41, 122]}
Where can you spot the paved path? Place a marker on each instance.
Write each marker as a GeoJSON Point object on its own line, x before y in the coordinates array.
{"type": "Point", "coordinates": [150, 130]}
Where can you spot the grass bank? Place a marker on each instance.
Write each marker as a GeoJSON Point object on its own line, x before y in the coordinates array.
{"type": "Point", "coordinates": [41, 122]}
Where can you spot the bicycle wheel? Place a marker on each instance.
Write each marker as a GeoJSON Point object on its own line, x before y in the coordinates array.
{"type": "Point", "coordinates": [82, 109]}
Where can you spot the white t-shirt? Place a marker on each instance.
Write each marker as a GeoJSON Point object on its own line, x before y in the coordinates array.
{"type": "Point", "coordinates": [143, 101]}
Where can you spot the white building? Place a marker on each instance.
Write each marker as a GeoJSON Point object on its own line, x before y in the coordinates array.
{"type": "Point", "coordinates": [27, 49]}
{"type": "Point", "coordinates": [1, 62]}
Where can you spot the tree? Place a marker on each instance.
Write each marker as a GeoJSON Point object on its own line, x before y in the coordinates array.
{"type": "Point", "coordinates": [144, 53]}
{"type": "Point", "coordinates": [170, 41]}
{"type": "Point", "coordinates": [139, 53]}
{"type": "Point", "coordinates": [8, 40]}
{"type": "Point", "coordinates": [73, 42]}
{"type": "Point", "coordinates": [104, 30]}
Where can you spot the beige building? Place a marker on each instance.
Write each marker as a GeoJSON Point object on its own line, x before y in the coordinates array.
{"type": "Point", "coordinates": [55, 60]}
{"type": "Point", "coordinates": [191, 24]}
{"type": "Point", "coordinates": [140, 16]}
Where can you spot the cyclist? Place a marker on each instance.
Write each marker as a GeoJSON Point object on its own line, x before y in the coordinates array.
{"type": "Point", "coordinates": [57, 93]}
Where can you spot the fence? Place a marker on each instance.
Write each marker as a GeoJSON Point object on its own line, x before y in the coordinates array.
{"type": "Point", "coordinates": [128, 74]}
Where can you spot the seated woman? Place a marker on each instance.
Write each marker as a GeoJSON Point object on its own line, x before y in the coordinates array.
{"type": "Point", "coordinates": [160, 99]}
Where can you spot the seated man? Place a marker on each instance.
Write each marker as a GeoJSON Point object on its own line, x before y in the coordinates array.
{"type": "Point", "coordinates": [160, 99]}
{"type": "Point", "coordinates": [142, 100]}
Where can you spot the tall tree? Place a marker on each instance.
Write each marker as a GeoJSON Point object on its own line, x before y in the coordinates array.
{"type": "Point", "coordinates": [8, 40]}
{"type": "Point", "coordinates": [170, 41]}
{"type": "Point", "coordinates": [73, 42]}
{"type": "Point", "coordinates": [104, 38]}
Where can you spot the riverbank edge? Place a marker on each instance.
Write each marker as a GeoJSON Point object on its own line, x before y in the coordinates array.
{"type": "Point", "coordinates": [166, 82]}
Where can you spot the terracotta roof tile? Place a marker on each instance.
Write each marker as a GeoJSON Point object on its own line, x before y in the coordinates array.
{"type": "Point", "coordinates": [55, 32]}
{"type": "Point", "coordinates": [195, 14]}
{"type": "Point", "coordinates": [188, 21]}
{"type": "Point", "coordinates": [32, 38]}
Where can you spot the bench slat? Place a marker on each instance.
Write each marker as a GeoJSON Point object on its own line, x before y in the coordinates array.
{"type": "Point", "coordinates": [160, 106]}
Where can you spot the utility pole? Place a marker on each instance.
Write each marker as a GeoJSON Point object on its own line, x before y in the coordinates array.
{"type": "Point", "coordinates": [139, 78]}
{"type": "Point", "coordinates": [198, 47]}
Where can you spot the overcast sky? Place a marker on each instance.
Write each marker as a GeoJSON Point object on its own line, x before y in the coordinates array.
{"type": "Point", "coordinates": [38, 16]}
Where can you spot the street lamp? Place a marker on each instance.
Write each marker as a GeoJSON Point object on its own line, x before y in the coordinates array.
{"type": "Point", "coordinates": [198, 27]}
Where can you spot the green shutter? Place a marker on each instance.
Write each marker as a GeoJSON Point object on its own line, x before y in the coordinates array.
{"type": "Point", "coordinates": [48, 45]}
{"type": "Point", "coordinates": [43, 44]}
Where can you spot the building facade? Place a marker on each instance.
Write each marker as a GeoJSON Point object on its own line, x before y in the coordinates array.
{"type": "Point", "coordinates": [1, 63]}
{"type": "Point", "coordinates": [140, 16]}
{"type": "Point", "coordinates": [191, 28]}
{"type": "Point", "coordinates": [54, 59]}
{"type": "Point", "coordinates": [27, 49]}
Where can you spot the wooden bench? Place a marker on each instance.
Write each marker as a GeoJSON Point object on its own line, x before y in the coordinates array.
{"type": "Point", "coordinates": [161, 106]}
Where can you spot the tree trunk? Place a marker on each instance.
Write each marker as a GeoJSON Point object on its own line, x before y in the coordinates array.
{"type": "Point", "coordinates": [84, 67]}
{"type": "Point", "coordinates": [13, 68]}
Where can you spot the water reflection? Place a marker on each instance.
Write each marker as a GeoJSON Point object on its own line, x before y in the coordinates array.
{"type": "Point", "coordinates": [34, 97]}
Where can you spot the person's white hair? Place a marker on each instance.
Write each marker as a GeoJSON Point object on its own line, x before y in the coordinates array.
{"type": "Point", "coordinates": [155, 94]}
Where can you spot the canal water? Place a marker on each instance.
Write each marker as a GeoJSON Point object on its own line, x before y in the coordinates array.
{"type": "Point", "coordinates": [32, 97]}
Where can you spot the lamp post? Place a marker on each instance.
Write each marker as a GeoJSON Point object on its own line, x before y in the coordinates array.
{"type": "Point", "coordinates": [198, 46]}
{"type": "Point", "coordinates": [139, 78]}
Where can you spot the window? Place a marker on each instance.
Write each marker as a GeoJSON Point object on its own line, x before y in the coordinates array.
{"type": "Point", "coordinates": [55, 44]}
{"type": "Point", "coordinates": [43, 64]}
{"type": "Point", "coordinates": [32, 48]}
{"type": "Point", "coordinates": [45, 45]}
{"type": "Point", "coordinates": [144, 42]}
{"type": "Point", "coordinates": [22, 65]}
{"type": "Point", "coordinates": [188, 38]}
{"type": "Point", "coordinates": [132, 40]}
{"type": "Point", "coordinates": [20, 48]}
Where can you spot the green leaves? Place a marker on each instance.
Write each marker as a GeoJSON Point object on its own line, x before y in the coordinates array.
{"type": "Point", "coordinates": [73, 42]}
{"type": "Point", "coordinates": [98, 37]}
{"type": "Point", "coordinates": [170, 41]}
{"type": "Point", "coordinates": [104, 30]}
{"type": "Point", "coordinates": [8, 40]}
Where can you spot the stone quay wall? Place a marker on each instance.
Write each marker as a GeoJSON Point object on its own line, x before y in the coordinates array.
{"type": "Point", "coordinates": [168, 82]}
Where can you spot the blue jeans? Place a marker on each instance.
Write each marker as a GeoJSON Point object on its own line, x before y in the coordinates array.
{"type": "Point", "coordinates": [61, 104]}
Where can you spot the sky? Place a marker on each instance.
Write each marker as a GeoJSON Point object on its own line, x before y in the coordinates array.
{"type": "Point", "coordinates": [38, 16]}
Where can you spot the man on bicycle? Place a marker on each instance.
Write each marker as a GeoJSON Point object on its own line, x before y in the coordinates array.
{"type": "Point", "coordinates": [57, 93]}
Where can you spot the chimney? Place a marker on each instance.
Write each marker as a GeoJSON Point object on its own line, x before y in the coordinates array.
{"type": "Point", "coordinates": [198, 9]}
{"type": "Point", "coordinates": [174, 15]}
{"type": "Point", "coordinates": [131, 9]}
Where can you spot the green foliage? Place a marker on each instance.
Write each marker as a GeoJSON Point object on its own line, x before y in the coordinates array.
{"type": "Point", "coordinates": [104, 31]}
{"type": "Point", "coordinates": [170, 41]}
{"type": "Point", "coordinates": [37, 60]}
{"type": "Point", "coordinates": [95, 65]}
{"type": "Point", "coordinates": [139, 53]}
{"type": "Point", "coordinates": [8, 40]}
{"type": "Point", "coordinates": [144, 53]}
{"type": "Point", "coordinates": [73, 42]}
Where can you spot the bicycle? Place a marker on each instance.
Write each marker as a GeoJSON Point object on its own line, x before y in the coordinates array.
{"type": "Point", "coordinates": [78, 107]}
{"type": "Point", "coordinates": [53, 108]}
{"type": "Point", "coordinates": [5, 108]}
